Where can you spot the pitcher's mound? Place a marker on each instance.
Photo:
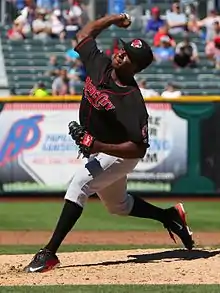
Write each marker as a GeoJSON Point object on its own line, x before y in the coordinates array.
{"type": "Point", "coordinates": [119, 267]}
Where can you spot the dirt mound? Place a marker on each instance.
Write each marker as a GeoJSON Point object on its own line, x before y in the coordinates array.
{"type": "Point", "coordinates": [119, 267]}
{"type": "Point", "coordinates": [104, 237]}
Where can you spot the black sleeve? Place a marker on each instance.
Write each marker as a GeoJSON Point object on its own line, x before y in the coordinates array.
{"type": "Point", "coordinates": [132, 114]}
{"type": "Point", "coordinates": [93, 59]}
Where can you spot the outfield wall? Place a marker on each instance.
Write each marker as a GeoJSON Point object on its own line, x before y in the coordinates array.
{"type": "Point", "coordinates": [38, 156]}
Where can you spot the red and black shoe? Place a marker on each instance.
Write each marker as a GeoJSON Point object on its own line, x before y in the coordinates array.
{"type": "Point", "coordinates": [175, 222]}
{"type": "Point", "coordinates": [43, 261]}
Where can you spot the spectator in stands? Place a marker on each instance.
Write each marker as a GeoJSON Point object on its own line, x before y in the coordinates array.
{"type": "Point", "coordinates": [41, 26]}
{"type": "Point", "coordinates": [28, 15]}
{"type": "Point", "coordinates": [79, 10]}
{"type": "Point", "coordinates": [171, 91]}
{"type": "Point", "coordinates": [114, 49]}
{"type": "Point", "coordinates": [217, 52]}
{"type": "Point", "coordinates": [212, 34]}
{"type": "Point", "coordinates": [39, 90]}
{"type": "Point", "coordinates": [176, 20]}
{"type": "Point", "coordinates": [186, 53]}
{"type": "Point", "coordinates": [73, 16]}
{"type": "Point", "coordinates": [193, 20]}
{"type": "Point", "coordinates": [145, 91]}
{"type": "Point", "coordinates": [71, 26]}
{"type": "Point", "coordinates": [165, 52]}
{"type": "Point", "coordinates": [163, 31]}
{"type": "Point", "coordinates": [84, 17]}
{"type": "Point", "coordinates": [71, 54]}
{"type": "Point", "coordinates": [53, 68]}
{"type": "Point", "coordinates": [210, 43]}
{"type": "Point", "coordinates": [48, 5]}
{"type": "Point", "coordinates": [155, 22]}
{"type": "Point", "coordinates": [16, 32]}
{"type": "Point", "coordinates": [74, 9]}
{"type": "Point", "coordinates": [213, 52]}
{"type": "Point", "coordinates": [60, 85]}
{"type": "Point", "coordinates": [74, 78]}
{"type": "Point", "coordinates": [208, 22]}
{"type": "Point", "coordinates": [210, 50]}
{"type": "Point", "coordinates": [25, 19]}
{"type": "Point", "coordinates": [57, 25]}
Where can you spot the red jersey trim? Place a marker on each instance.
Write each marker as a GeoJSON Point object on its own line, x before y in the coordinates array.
{"type": "Point", "coordinates": [82, 42]}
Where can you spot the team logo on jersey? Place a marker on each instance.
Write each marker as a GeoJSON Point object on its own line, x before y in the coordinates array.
{"type": "Point", "coordinates": [96, 98]}
{"type": "Point", "coordinates": [136, 44]}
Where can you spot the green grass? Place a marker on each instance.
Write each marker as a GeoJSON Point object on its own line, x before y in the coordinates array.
{"type": "Point", "coordinates": [202, 216]}
{"type": "Point", "coordinates": [114, 289]}
{"type": "Point", "coordinates": [21, 249]}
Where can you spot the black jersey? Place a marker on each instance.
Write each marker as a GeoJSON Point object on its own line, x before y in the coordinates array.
{"type": "Point", "coordinates": [112, 114]}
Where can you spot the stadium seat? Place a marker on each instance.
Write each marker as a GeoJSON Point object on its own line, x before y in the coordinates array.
{"type": "Point", "coordinates": [26, 61]}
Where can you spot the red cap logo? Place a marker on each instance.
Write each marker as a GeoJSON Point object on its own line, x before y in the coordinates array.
{"type": "Point", "coordinates": [136, 44]}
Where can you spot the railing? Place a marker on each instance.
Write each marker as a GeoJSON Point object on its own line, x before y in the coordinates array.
{"type": "Point", "coordinates": [2, 11]}
{"type": "Point", "coordinates": [37, 154]}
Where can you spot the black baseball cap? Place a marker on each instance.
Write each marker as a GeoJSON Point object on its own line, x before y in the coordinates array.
{"type": "Point", "coordinates": [139, 52]}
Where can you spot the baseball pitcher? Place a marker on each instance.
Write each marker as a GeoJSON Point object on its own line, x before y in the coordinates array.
{"type": "Point", "coordinates": [113, 136]}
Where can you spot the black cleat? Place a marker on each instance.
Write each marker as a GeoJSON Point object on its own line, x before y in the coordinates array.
{"type": "Point", "coordinates": [176, 223]}
{"type": "Point", "coordinates": [43, 261]}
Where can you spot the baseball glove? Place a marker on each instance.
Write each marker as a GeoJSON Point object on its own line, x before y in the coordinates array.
{"type": "Point", "coordinates": [82, 138]}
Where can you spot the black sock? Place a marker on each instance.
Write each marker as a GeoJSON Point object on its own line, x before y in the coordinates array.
{"type": "Point", "coordinates": [69, 216]}
{"type": "Point", "coordinates": [143, 209]}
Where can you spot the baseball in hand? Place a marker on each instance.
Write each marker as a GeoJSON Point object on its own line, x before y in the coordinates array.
{"type": "Point", "coordinates": [125, 20]}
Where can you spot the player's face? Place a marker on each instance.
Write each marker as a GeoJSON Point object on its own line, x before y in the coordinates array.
{"type": "Point", "coordinates": [121, 61]}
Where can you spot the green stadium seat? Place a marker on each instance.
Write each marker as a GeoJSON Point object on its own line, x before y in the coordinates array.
{"type": "Point", "coordinates": [26, 62]}
{"type": "Point", "coordinates": [204, 92]}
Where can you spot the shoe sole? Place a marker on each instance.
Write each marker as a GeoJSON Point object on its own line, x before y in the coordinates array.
{"type": "Point", "coordinates": [180, 209]}
{"type": "Point", "coordinates": [44, 270]}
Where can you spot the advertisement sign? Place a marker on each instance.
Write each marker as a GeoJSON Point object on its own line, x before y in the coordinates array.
{"type": "Point", "coordinates": [166, 159]}
{"type": "Point", "coordinates": [37, 154]}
